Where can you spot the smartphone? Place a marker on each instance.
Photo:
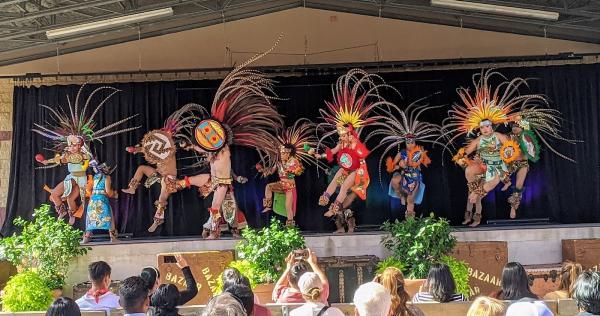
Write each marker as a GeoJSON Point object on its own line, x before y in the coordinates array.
{"type": "Point", "coordinates": [170, 259]}
{"type": "Point", "coordinates": [300, 254]}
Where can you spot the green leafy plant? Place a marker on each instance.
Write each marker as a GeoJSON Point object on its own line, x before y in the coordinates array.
{"type": "Point", "coordinates": [264, 251]}
{"type": "Point", "coordinates": [45, 245]}
{"type": "Point", "coordinates": [418, 242]}
{"type": "Point", "coordinates": [26, 291]}
{"type": "Point", "coordinates": [460, 273]}
{"type": "Point", "coordinates": [389, 262]}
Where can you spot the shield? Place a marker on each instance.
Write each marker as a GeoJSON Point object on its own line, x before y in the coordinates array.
{"type": "Point", "coordinates": [348, 159]}
{"type": "Point", "coordinates": [210, 135]}
{"type": "Point", "coordinates": [529, 145]}
{"type": "Point", "coordinates": [229, 208]}
{"type": "Point", "coordinates": [510, 151]}
{"type": "Point", "coordinates": [158, 146]}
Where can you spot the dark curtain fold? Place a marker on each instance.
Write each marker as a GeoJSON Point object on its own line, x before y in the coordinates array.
{"type": "Point", "coordinates": [555, 188]}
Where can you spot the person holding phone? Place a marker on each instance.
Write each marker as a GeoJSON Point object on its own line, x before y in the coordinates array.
{"type": "Point", "coordinates": [152, 277]}
{"type": "Point", "coordinates": [297, 263]}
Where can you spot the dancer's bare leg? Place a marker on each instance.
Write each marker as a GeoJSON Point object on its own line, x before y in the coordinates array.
{"type": "Point", "coordinates": [520, 182]}
{"type": "Point", "coordinates": [324, 199]}
{"type": "Point", "coordinates": [268, 200]}
{"type": "Point", "coordinates": [344, 188]}
{"type": "Point", "coordinates": [140, 172]}
{"type": "Point", "coordinates": [410, 202]}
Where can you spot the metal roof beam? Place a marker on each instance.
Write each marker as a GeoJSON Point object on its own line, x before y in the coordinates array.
{"type": "Point", "coordinates": [58, 10]}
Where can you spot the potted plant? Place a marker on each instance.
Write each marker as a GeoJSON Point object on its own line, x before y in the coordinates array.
{"type": "Point", "coordinates": [262, 252]}
{"type": "Point", "coordinates": [45, 245]}
{"type": "Point", "coordinates": [26, 292]}
{"type": "Point", "coordinates": [416, 243]}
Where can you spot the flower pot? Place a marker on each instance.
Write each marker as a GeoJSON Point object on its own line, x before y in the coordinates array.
{"type": "Point", "coordinates": [264, 292]}
{"type": "Point", "coordinates": [412, 286]}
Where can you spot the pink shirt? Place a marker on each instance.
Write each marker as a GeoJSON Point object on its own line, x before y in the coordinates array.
{"type": "Point", "coordinates": [286, 294]}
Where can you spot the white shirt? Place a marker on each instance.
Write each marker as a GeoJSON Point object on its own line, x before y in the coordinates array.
{"type": "Point", "coordinates": [106, 302]}
{"type": "Point", "coordinates": [312, 309]}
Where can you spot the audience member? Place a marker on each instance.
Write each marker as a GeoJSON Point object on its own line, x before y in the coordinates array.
{"type": "Point", "coordinates": [393, 280]}
{"type": "Point", "coordinates": [152, 277]}
{"type": "Point", "coordinates": [311, 288]}
{"type": "Point", "coordinates": [286, 289]}
{"type": "Point", "coordinates": [372, 299]}
{"type": "Point", "coordinates": [133, 293]}
{"type": "Point", "coordinates": [244, 294]}
{"type": "Point", "coordinates": [568, 275]}
{"type": "Point", "coordinates": [515, 285]}
{"type": "Point", "coordinates": [586, 292]}
{"type": "Point", "coordinates": [528, 307]}
{"type": "Point", "coordinates": [164, 300]}
{"type": "Point", "coordinates": [486, 306]}
{"type": "Point", "coordinates": [231, 277]}
{"type": "Point", "coordinates": [63, 306]}
{"type": "Point", "coordinates": [224, 304]}
{"type": "Point", "coordinates": [439, 286]}
{"type": "Point", "coordinates": [99, 297]}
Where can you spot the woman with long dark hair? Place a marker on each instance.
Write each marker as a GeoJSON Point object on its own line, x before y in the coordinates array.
{"type": "Point", "coordinates": [152, 277]}
{"type": "Point", "coordinates": [515, 285]}
{"type": "Point", "coordinates": [165, 300]}
{"type": "Point", "coordinates": [439, 286]}
{"type": "Point", "coordinates": [393, 280]}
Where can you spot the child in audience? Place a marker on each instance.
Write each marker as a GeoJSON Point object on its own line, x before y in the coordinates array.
{"type": "Point", "coordinates": [99, 297]}
{"type": "Point", "coordinates": [393, 280]}
{"type": "Point", "coordinates": [568, 275]}
{"type": "Point", "coordinates": [63, 306]}
{"type": "Point", "coordinates": [311, 288]}
{"type": "Point", "coordinates": [133, 294]}
{"type": "Point", "coordinates": [439, 286]}
{"type": "Point", "coordinates": [486, 306]}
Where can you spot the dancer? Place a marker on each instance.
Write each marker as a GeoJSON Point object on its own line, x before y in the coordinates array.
{"type": "Point", "coordinates": [486, 108]}
{"type": "Point", "coordinates": [403, 126]}
{"type": "Point", "coordinates": [288, 152]}
{"type": "Point", "coordinates": [159, 148]}
{"type": "Point", "coordinates": [355, 94]}
{"type": "Point", "coordinates": [241, 114]}
{"type": "Point", "coordinates": [99, 215]}
{"type": "Point", "coordinates": [71, 135]}
{"type": "Point", "coordinates": [532, 122]}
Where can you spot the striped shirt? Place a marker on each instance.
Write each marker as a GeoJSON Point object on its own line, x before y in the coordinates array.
{"type": "Point", "coordinates": [427, 297]}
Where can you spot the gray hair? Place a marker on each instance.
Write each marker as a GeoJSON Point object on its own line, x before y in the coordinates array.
{"type": "Point", "coordinates": [586, 292]}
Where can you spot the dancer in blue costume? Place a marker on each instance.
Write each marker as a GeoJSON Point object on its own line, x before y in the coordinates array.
{"type": "Point", "coordinates": [99, 214]}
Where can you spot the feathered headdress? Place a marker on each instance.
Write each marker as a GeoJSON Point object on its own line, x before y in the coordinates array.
{"type": "Point", "coordinates": [63, 127]}
{"type": "Point", "coordinates": [355, 95]}
{"type": "Point", "coordinates": [398, 126]}
{"type": "Point", "coordinates": [242, 112]}
{"type": "Point", "coordinates": [296, 140]}
{"type": "Point", "coordinates": [503, 104]}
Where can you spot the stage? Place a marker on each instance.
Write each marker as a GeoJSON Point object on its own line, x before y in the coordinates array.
{"type": "Point", "coordinates": [530, 245]}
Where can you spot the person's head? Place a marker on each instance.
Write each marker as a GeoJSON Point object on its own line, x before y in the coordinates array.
{"type": "Point", "coordinates": [528, 308]}
{"type": "Point", "coordinates": [586, 292]}
{"type": "Point", "coordinates": [486, 306]}
{"type": "Point", "coordinates": [311, 287]}
{"type": "Point", "coordinates": [133, 295]}
{"type": "Point", "coordinates": [568, 275]}
{"type": "Point", "coordinates": [244, 294]}
{"type": "Point", "coordinates": [516, 129]}
{"type": "Point", "coordinates": [165, 300]}
{"type": "Point", "coordinates": [230, 276]}
{"type": "Point", "coordinates": [486, 128]}
{"type": "Point", "coordinates": [372, 299]}
{"type": "Point", "coordinates": [286, 151]}
{"type": "Point", "coordinates": [515, 284]}
{"type": "Point", "coordinates": [410, 142]}
{"type": "Point", "coordinates": [74, 143]}
{"type": "Point", "coordinates": [440, 283]}
{"type": "Point", "coordinates": [393, 280]}
{"type": "Point", "coordinates": [63, 306]}
{"type": "Point", "coordinates": [151, 276]}
{"type": "Point", "coordinates": [296, 271]}
{"type": "Point", "coordinates": [99, 274]}
{"type": "Point", "coordinates": [224, 304]}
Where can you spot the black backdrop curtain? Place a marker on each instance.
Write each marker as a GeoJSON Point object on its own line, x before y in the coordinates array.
{"type": "Point", "coordinates": [555, 188]}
